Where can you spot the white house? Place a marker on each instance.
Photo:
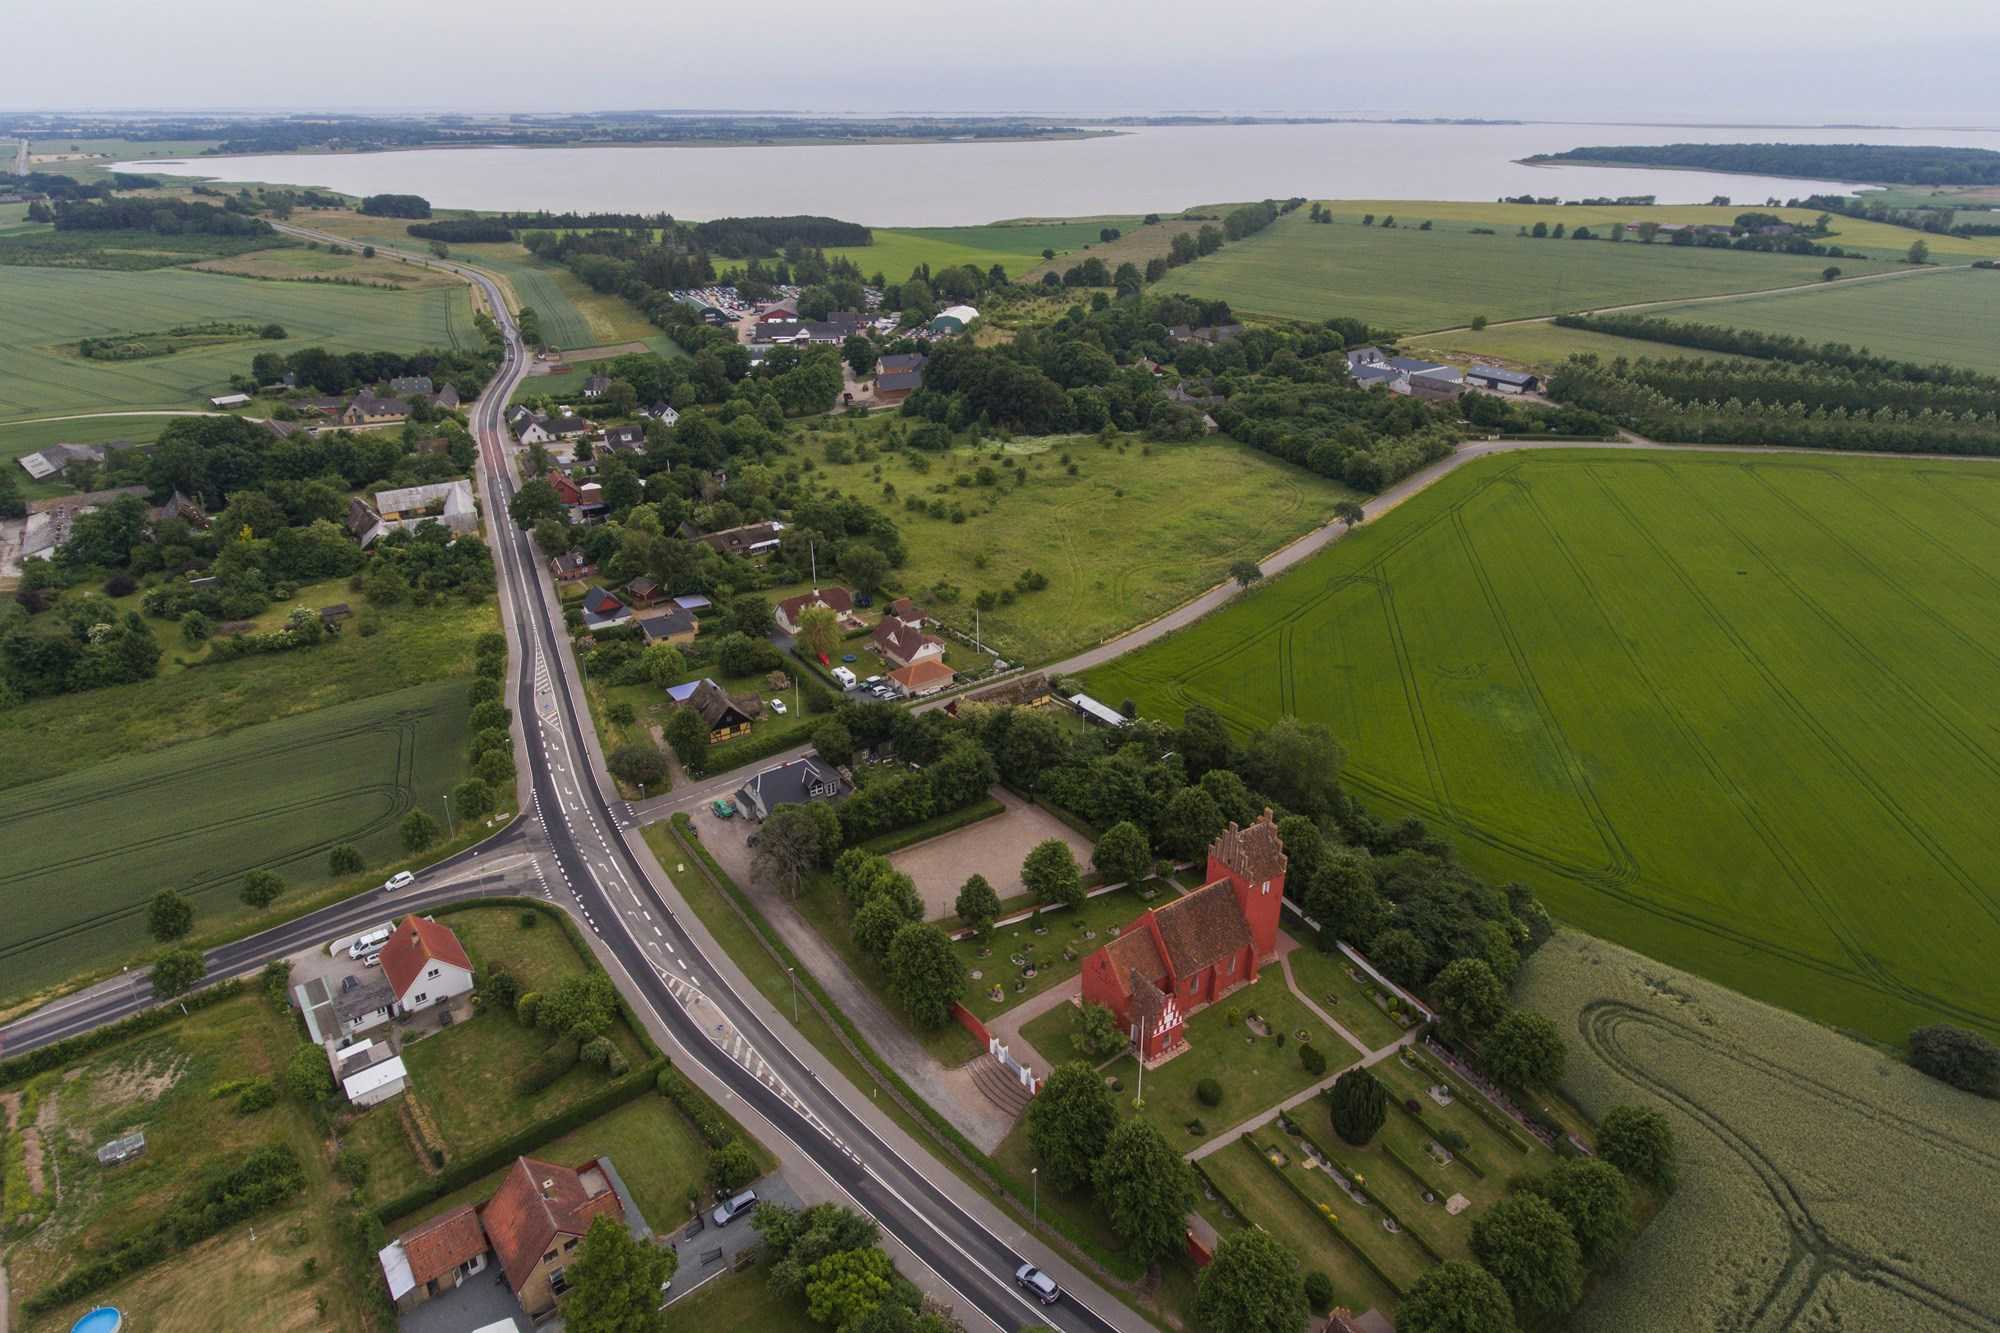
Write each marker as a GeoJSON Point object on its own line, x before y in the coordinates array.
{"type": "Point", "coordinates": [425, 964]}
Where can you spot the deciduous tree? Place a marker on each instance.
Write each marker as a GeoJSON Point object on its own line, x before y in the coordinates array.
{"type": "Point", "coordinates": [1253, 1285]}
{"type": "Point", "coordinates": [1069, 1122]}
{"type": "Point", "coordinates": [169, 916]}
{"type": "Point", "coordinates": [925, 974]}
{"type": "Point", "coordinates": [819, 631]}
{"type": "Point", "coordinates": [1526, 1244]}
{"type": "Point", "coordinates": [180, 971]}
{"type": "Point", "coordinates": [1146, 1189]}
{"type": "Point", "coordinates": [614, 1281]}
{"type": "Point", "coordinates": [1051, 874]}
{"type": "Point", "coordinates": [1470, 999]}
{"type": "Point", "coordinates": [419, 831]}
{"type": "Point", "coordinates": [262, 887]}
{"type": "Point", "coordinates": [788, 848]}
{"type": "Point", "coordinates": [1956, 1056]}
{"type": "Point", "coordinates": [1596, 1200]}
{"type": "Point", "coordinates": [977, 905]}
{"type": "Point", "coordinates": [1455, 1297]}
{"type": "Point", "coordinates": [1524, 1048]}
{"type": "Point", "coordinates": [1123, 856]}
{"type": "Point", "coordinates": [1639, 1141]}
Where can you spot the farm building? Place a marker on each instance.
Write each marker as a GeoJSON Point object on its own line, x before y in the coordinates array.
{"type": "Point", "coordinates": [725, 717]}
{"type": "Point", "coordinates": [227, 400]}
{"type": "Point", "coordinates": [446, 502]}
{"type": "Point", "coordinates": [122, 1149]}
{"type": "Point", "coordinates": [1499, 380]}
{"type": "Point", "coordinates": [752, 539]}
{"type": "Point", "coordinates": [1102, 714]}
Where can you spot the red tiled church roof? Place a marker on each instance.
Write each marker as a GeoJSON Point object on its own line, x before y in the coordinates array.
{"type": "Point", "coordinates": [1202, 928]}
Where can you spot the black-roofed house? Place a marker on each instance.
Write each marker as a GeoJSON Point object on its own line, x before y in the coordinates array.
{"type": "Point", "coordinates": [798, 782]}
{"type": "Point", "coordinates": [596, 386]}
{"type": "Point", "coordinates": [603, 610]}
{"type": "Point", "coordinates": [675, 625]}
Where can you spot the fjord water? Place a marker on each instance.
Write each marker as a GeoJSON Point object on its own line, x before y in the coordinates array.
{"type": "Point", "coordinates": [953, 184]}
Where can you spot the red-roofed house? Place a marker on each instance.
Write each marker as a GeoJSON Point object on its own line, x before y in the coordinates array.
{"type": "Point", "coordinates": [789, 612]}
{"type": "Point", "coordinates": [434, 1258]}
{"type": "Point", "coordinates": [901, 644]}
{"type": "Point", "coordinates": [425, 964]}
{"type": "Point", "coordinates": [1194, 950]}
{"type": "Point", "coordinates": [532, 1226]}
{"type": "Point", "coordinates": [537, 1219]}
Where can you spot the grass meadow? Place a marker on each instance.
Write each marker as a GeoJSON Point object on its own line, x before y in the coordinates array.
{"type": "Point", "coordinates": [1824, 1184]}
{"type": "Point", "coordinates": [1735, 712]}
{"type": "Point", "coordinates": [1016, 246]}
{"type": "Point", "coordinates": [249, 1276]}
{"type": "Point", "coordinates": [1412, 281]}
{"type": "Point", "coordinates": [1138, 531]}
{"type": "Point", "coordinates": [1951, 316]}
{"type": "Point", "coordinates": [1541, 346]}
{"type": "Point", "coordinates": [41, 309]}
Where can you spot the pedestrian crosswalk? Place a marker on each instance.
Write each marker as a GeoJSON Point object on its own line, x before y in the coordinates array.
{"type": "Point", "coordinates": [732, 1043]}
{"type": "Point", "coordinates": [545, 687]}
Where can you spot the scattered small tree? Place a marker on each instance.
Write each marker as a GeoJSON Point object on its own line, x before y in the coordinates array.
{"type": "Point", "coordinates": [977, 905]}
{"type": "Point", "coordinates": [640, 765]}
{"type": "Point", "coordinates": [262, 887]}
{"type": "Point", "coordinates": [1596, 1200]}
{"type": "Point", "coordinates": [344, 859]}
{"type": "Point", "coordinates": [1319, 1292]}
{"type": "Point", "coordinates": [180, 971]}
{"type": "Point", "coordinates": [419, 831]}
{"type": "Point", "coordinates": [1348, 512]}
{"type": "Point", "coordinates": [308, 1078]}
{"type": "Point", "coordinates": [819, 631]}
{"type": "Point", "coordinates": [1050, 872]}
{"type": "Point", "coordinates": [1358, 1105]}
{"type": "Point", "coordinates": [1919, 252]}
{"type": "Point", "coordinates": [1524, 1048]}
{"type": "Point", "coordinates": [1478, 321]}
{"type": "Point", "coordinates": [1245, 572]}
{"type": "Point", "coordinates": [169, 916]}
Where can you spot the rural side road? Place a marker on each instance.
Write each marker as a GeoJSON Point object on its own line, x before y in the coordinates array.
{"type": "Point", "coordinates": [1415, 484]}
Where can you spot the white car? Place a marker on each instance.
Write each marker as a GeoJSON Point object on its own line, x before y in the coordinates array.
{"type": "Point", "coordinates": [402, 879]}
{"type": "Point", "coordinates": [1037, 1284]}
{"type": "Point", "coordinates": [778, 707]}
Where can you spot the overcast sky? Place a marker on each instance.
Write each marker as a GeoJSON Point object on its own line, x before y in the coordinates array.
{"type": "Point", "coordinates": [1670, 60]}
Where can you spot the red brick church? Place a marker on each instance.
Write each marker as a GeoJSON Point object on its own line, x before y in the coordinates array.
{"type": "Point", "coordinates": [1194, 950]}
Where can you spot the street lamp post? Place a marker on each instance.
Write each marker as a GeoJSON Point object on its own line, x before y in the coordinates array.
{"type": "Point", "coordinates": [450, 830]}
{"type": "Point", "coordinates": [793, 973]}
{"type": "Point", "coordinates": [1035, 1191]}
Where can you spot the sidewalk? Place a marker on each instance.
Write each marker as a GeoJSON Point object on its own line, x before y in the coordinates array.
{"type": "Point", "coordinates": [1007, 1027]}
{"type": "Point", "coordinates": [1285, 946]}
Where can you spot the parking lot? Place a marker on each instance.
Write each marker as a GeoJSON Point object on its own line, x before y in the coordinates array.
{"type": "Point", "coordinates": [993, 847]}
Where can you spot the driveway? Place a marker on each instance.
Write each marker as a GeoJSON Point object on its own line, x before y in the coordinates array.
{"type": "Point", "coordinates": [708, 1251]}
{"type": "Point", "coordinates": [993, 847]}
{"type": "Point", "coordinates": [951, 1091]}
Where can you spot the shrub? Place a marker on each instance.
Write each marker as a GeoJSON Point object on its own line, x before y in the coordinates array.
{"type": "Point", "coordinates": [687, 1099]}
{"type": "Point", "coordinates": [597, 1051]}
{"type": "Point", "coordinates": [731, 1167]}
{"type": "Point", "coordinates": [260, 1095]}
{"type": "Point", "coordinates": [1208, 1092]}
{"type": "Point", "coordinates": [1413, 1106]}
{"type": "Point", "coordinates": [501, 991]}
{"type": "Point", "coordinates": [1965, 1060]}
{"type": "Point", "coordinates": [556, 1060]}
{"type": "Point", "coordinates": [1359, 1106]}
{"type": "Point", "coordinates": [528, 1008]}
{"type": "Point", "coordinates": [344, 860]}
{"type": "Point", "coordinates": [1319, 1292]}
{"type": "Point", "coordinates": [1310, 1057]}
{"type": "Point", "coordinates": [351, 1167]}
{"type": "Point", "coordinates": [1453, 1139]}
{"type": "Point", "coordinates": [530, 918]}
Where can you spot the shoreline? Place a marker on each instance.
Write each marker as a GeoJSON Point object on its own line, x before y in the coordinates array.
{"type": "Point", "coordinates": [1551, 160]}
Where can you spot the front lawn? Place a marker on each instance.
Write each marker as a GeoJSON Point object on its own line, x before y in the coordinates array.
{"type": "Point", "coordinates": [657, 1152]}
{"type": "Point", "coordinates": [739, 1302]}
{"type": "Point", "coordinates": [1255, 1072]}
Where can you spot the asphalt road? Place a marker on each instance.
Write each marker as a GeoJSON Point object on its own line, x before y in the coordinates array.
{"type": "Point", "coordinates": [571, 829]}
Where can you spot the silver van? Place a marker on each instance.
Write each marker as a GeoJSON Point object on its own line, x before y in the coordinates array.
{"type": "Point", "coordinates": [734, 1207]}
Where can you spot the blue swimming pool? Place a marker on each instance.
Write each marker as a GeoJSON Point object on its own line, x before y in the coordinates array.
{"type": "Point", "coordinates": [103, 1319]}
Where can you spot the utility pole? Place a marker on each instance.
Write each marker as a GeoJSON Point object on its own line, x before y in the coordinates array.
{"type": "Point", "coordinates": [793, 973]}
{"type": "Point", "coordinates": [1035, 1195]}
{"type": "Point", "coordinates": [451, 830]}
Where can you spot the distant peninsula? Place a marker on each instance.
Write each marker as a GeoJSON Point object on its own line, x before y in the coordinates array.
{"type": "Point", "coordinates": [1872, 164]}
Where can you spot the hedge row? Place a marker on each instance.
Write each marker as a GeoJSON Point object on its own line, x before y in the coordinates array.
{"type": "Point", "coordinates": [692, 1103]}
{"type": "Point", "coordinates": [1312, 1206]}
{"type": "Point", "coordinates": [1458, 1155]}
{"type": "Point", "coordinates": [936, 826]}
{"type": "Point", "coordinates": [994, 1181]}
{"type": "Point", "coordinates": [1356, 1179]}
{"type": "Point", "coordinates": [1482, 1108]}
{"type": "Point", "coordinates": [467, 1170]}
{"type": "Point", "coordinates": [60, 1053]}
{"type": "Point", "coordinates": [757, 745]}
{"type": "Point", "coordinates": [223, 1197]}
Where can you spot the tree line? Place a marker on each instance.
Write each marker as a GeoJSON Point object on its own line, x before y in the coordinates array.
{"type": "Point", "coordinates": [396, 206]}
{"type": "Point", "coordinates": [1774, 347]}
{"type": "Point", "coordinates": [1891, 163]}
{"type": "Point", "coordinates": [167, 217]}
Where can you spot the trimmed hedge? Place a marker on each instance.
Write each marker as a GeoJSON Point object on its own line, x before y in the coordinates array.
{"type": "Point", "coordinates": [934, 827]}
{"type": "Point", "coordinates": [692, 1103]}
{"type": "Point", "coordinates": [469, 1169]}
{"type": "Point", "coordinates": [57, 1054]}
{"type": "Point", "coordinates": [1312, 1205]}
